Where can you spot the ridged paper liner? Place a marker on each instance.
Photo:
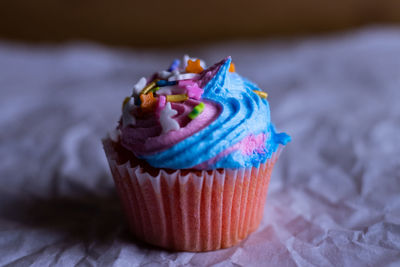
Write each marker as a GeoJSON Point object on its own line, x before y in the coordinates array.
{"type": "Point", "coordinates": [191, 211]}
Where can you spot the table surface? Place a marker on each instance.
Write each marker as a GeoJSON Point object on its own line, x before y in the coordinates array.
{"type": "Point", "coordinates": [334, 195]}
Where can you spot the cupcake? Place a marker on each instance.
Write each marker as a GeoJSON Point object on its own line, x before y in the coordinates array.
{"type": "Point", "coordinates": [192, 156]}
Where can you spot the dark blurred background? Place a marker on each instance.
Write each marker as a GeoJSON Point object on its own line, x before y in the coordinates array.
{"type": "Point", "coordinates": [143, 23]}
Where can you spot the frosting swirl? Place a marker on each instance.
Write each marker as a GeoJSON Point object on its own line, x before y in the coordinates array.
{"type": "Point", "coordinates": [233, 131]}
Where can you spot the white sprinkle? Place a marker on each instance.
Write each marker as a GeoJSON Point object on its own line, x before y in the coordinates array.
{"type": "Point", "coordinates": [185, 76]}
{"type": "Point", "coordinates": [138, 87]}
{"type": "Point", "coordinates": [127, 117]}
{"type": "Point", "coordinates": [166, 120]}
{"type": "Point", "coordinates": [114, 135]}
{"type": "Point", "coordinates": [164, 74]}
{"type": "Point", "coordinates": [171, 90]}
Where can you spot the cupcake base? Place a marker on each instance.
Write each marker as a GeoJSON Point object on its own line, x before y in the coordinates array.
{"type": "Point", "coordinates": [189, 210]}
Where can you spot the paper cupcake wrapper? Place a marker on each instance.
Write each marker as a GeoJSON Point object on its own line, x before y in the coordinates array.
{"type": "Point", "coordinates": [191, 211]}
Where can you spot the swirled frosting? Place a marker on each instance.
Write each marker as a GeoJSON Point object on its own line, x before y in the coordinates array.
{"type": "Point", "coordinates": [234, 129]}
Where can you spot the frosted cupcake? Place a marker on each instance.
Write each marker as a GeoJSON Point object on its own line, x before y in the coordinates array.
{"type": "Point", "coordinates": [192, 156]}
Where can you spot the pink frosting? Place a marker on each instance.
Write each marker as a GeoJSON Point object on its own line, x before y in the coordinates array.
{"type": "Point", "coordinates": [146, 137]}
{"type": "Point", "coordinates": [248, 145]}
{"type": "Point", "coordinates": [252, 143]}
{"type": "Point", "coordinates": [208, 74]}
{"type": "Point", "coordinates": [162, 100]}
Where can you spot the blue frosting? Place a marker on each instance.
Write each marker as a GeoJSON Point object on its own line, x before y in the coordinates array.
{"type": "Point", "coordinates": [243, 113]}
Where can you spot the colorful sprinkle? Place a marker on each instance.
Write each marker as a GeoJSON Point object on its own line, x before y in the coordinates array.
{"type": "Point", "coordinates": [197, 110]}
{"type": "Point", "coordinates": [176, 98]}
{"type": "Point", "coordinates": [174, 65]}
{"type": "Point", "coordinates": [137, 101]}
{"type": "Point", "coordinates": [186, 58]}
{"type": "Point", "coordinates": [155, 89]}
{"type": "Point", "coordinates": [194, 66]}
{"type": "Point", "coordinates": [162, 83]}
{"type": "Point", "coordinates": [148, 102]}
{"type": "Point", "coordinates": [148, 87]}
{"type": "Point", "coordinates": [232, 67]}
{"type": "Point", "coordinates": [184, 76]}
{"type": "Point", "coordinates": [192, 88]}
{"type": "Point", "coordinates": [261, 94]}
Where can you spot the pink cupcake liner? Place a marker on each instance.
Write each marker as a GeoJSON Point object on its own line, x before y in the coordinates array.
{"type": "Point", "coordinates": [191, 210]}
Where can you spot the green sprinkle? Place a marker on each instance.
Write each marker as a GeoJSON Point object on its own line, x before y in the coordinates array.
{"type": "Point", "coordinates": [197, 110]}
{"type": "Point", "coordinates": [155, 89]}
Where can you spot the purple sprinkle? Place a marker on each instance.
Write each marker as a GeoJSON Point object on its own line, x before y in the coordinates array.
{"type": "Point", "coordinates": [174, 65]}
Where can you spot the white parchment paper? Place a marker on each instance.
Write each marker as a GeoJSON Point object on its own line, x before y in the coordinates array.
{"type": "Point", "coordinates": [334, 198]}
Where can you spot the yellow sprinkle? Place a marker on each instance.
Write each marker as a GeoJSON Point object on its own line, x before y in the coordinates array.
{"type": "Point", "coordinates": [126, 100]}
{"type": "Point", "coordinates": [261, 94]}
{"type": "Point", "coordinates": [148, 88]}
{"type": "Point", "coordinates": [176, 98]}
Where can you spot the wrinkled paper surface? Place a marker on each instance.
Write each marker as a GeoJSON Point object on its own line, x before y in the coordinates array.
{"type": "Point", "coordinates": [334, 198]}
